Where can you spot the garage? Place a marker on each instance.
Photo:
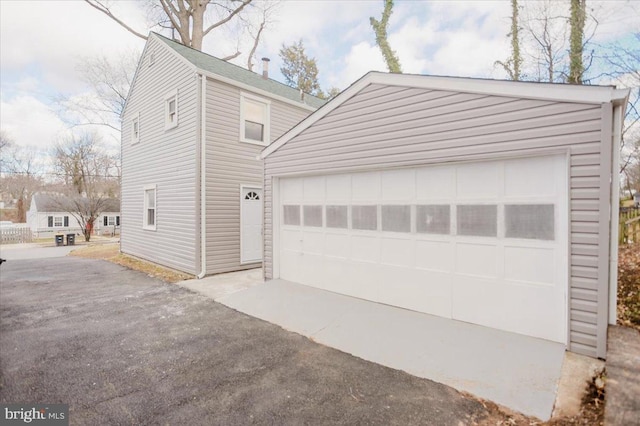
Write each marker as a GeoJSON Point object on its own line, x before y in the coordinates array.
{"type": "Point", "coordinates": [474, 242]}
{"type": "Point", "coordinates": [487, 202]}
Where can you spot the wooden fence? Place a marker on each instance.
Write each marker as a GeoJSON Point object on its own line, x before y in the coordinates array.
{"type": "Point", "coordinates": [629, 231]}
{"type": "Point", "coordinates": [17, 234]}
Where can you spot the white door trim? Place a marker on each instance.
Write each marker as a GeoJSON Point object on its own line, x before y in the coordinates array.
{"type": "Point", "coordinates": [243, 188]}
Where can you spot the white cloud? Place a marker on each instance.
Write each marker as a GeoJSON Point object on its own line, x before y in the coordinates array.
{"type": "Point", "coordinates": [362, 58]}
{"type": "Point", "coordinates": [29, 122]}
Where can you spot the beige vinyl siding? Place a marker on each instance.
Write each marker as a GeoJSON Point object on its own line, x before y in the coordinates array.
{"type": "Point", "coordinates": [387, 126]}
{"type": "Point", "coordinates": [230, 164]}
{"type": "Point", "coordinates": [167, 159]}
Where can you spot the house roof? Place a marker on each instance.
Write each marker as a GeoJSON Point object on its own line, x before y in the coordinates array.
{"type": "Point", "coordinates": [205, 62]}
{"type": "Point", "coordinates": [531, 90]}
{"type": "Point", "coordinates": [51, 203]}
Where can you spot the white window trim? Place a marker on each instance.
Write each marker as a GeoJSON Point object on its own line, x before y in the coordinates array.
{"type": "Point", "coordinates": [135, 138]}
{"type": "Point", "coordinates": [144, 211]}
{"type": "Point", "coordinates": [173, 95]}
{"type": "Point", "coordinates": [267, 124]}
{"type": "Point", "coordinates": [55, 218]}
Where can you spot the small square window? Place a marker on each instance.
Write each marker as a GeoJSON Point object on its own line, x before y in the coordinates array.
{"type": "Point", "coordinates": [364, 217]}
{"type": "Point", "coordinates": [57, 221]}
{"type": "Point", "coordinates": [337, 217]}
{"type": "Point", "coordinates": [254, 120]}
{"type": "Point", "coordinates": [171, 110]}
{"type": "Point", "coordinates": [291, 215]}
{"type": "Point", "coordinates": [477, 220]}
{"type": "Point", "coordinates": [532, 221]}
{"type": "Point", "coordinates": [433, 219]}
{"type": "Point", "coordinates": [312, 216]}
{"type": "Point", "coordinates": [396, 218]}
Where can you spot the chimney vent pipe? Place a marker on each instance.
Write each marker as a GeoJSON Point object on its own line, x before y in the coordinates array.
{"type": "Point", "coordinates": [265, 68]}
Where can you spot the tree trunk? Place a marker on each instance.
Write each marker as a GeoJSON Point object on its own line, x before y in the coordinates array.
{"type": "Point", "coordinates": [576, 48]}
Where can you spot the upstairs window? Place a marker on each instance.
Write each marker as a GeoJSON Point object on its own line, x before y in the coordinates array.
{"type": "Point", "coordinates": [254, 120]}
{"type": "Point", "coordinates": [171, 110]}
{"type": "Point", "coordinates": [149, 207]}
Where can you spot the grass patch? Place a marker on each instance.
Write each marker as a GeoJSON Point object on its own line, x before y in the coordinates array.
{"type": "Point", "coordinates": [111, 253]}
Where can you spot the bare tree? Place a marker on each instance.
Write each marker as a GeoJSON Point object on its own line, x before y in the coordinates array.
{"type": "Point", "coordinates": [193, 20]}
{"type": "Point", "coordinates": [20, 174]}
{"type": "Point", "coordinates": [109, 81]}
{"type": "Point", "coordinates": [576, 40]}
{"type": "Point", "coordinates": [88, 179]}
{"type": "Point", "coordinates": [380, 28]}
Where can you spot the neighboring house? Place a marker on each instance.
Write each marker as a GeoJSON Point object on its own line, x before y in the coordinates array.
{"type": "Point", "coordinates": [45, 218]}
{"type": "Point", "coordinates": [192, 128]}
{"type": "Point", "coordinates": [484, 201]}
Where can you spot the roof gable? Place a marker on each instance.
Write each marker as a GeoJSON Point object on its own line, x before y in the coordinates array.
{"type": "Point", "coordinates": [229, 71]}
{"type": "Point", "coordinates": [530, 90]}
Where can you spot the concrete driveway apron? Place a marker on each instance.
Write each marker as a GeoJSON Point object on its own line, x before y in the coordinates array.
{"type": "Point", "coordinates": [517, 371]}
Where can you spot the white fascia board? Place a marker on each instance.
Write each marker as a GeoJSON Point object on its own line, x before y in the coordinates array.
{"type": "Point", "coordinates": [255, 90]}
{"type": "Point", "coordinates": [529, 90]}
{"type": "Point", "coordinates": [520, 89]}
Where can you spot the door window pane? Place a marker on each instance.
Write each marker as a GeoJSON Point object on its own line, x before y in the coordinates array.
{"type": "Point", "coordinates": [534, 221]}
{"type": "Point", "coordinates": [312, 215]}
{"type": "Point", "coordinates": [434, 219]}
{"type": "Point", "coordinates": [364, 217]}
{"type": "Point", "coordinates": [291, 215]}
{"type": "Point", "coordinates": [337, 217]}
{"type": "Point", "coordinates": [396, 218]}
{"type": "Point", "coordinates": [477, 220]}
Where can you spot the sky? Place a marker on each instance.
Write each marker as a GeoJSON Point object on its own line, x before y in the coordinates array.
{"type": "Point", "coordinates": [43, 43]}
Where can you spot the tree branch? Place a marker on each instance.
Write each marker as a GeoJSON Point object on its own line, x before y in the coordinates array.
{"type": "Point", "coordinates": [104, 9]}
{"type": "Point", "coordinates": [228, 18]}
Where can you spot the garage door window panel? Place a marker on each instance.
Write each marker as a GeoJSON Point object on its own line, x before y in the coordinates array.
{"type": "Point", "coordinates": [433, 219]}
{"type": "Point", "coordinates": [364, 218]}
{"type": "Point", "coordinates": [531, 221]}
{"type": "Point", "coordinates": [312, 216]}
{"type": "Point", "coordinates": [477, 220]}
{"type": "Point", "coordinates": [337, 217]}
{"type": "Point", "coordinates": [291, 215]}
{"type": "Point", "coordinates": [396, 218]}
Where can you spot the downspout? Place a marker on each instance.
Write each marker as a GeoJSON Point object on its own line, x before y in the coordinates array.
{"type": "Point", "coordinates": [203, 176]}
{"type": "Point", "coordinates": [615, 210]}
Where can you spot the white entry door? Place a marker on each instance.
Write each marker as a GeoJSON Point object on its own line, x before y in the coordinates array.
{"type": "Point", "coordinates": [250, 224]}
{"type": "Point", "coordinates": [484, 243]}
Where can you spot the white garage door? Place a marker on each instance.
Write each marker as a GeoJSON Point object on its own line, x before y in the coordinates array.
{"type": "Point", "coordinates": [484, 243]}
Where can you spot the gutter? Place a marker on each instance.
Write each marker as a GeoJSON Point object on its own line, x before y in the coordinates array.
{"type": "Point", "coordinates": [618, 121]}
{"type": "Point", "coordinates": [203, 181]}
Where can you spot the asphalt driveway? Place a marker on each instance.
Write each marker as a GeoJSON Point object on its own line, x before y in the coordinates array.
{"type": "Point", "coordinates": [123, 348]}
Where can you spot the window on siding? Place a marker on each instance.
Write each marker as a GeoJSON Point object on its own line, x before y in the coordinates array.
{"type": "Point", "coordinates": [364, 217]}
{"type": "Point", "coordinates": [135, 129]}
{"type": "Point", "coordinates": [150, 208]}
{"type": "Point", "coordinates": [477, 220]}
{"type": "Point", "coordinates": [171, 110]}
{"type": "Point", "coordinates": [533, 221]}
{"type": "Point", "coordinates": [254, 120]}
{"type": "Point", "coordinates": [396, 218]}
{"type": "Point", "coordinates": [291, 215]}
{"type": "Point", "coordinates": [337, 217]}
{"type": "Point", "coordinates": [58, 221]}
{"type": "Point", "coordinates": [433, 219]}
{"type": "Point", "coordinates": [312, 216]}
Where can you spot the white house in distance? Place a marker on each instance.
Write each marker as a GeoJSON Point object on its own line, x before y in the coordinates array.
{"type": "Point", "coordinates": [192, 128]}
{"type": "Point", "coordinates": [489, 202]}
{"type": "Point", "coordinates": [45, 219]}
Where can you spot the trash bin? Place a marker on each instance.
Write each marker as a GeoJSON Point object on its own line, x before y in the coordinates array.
{"type": "Point", "coordinates": [59, 240]}
{"type": "Point", "coordinates": [71, 239]}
